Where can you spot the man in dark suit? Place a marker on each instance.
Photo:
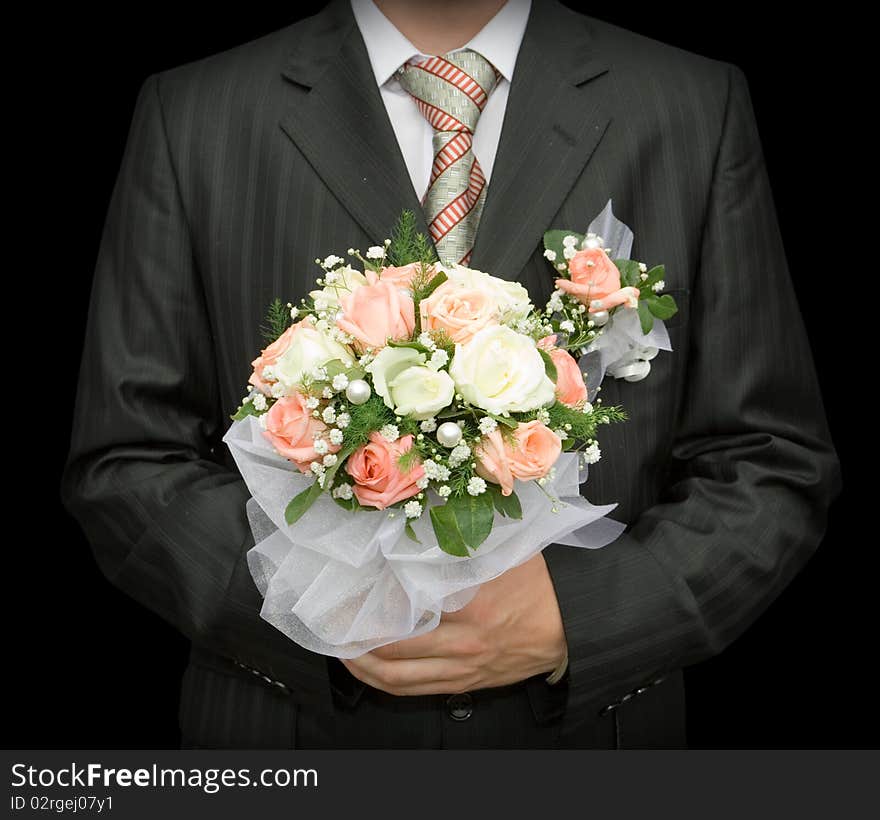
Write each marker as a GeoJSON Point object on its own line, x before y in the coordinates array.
{"type": "Point", "coordinates": [242, 168]}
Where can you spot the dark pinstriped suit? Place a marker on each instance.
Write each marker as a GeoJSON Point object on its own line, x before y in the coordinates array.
{"type": "Point", "coordinates": [243, 167]}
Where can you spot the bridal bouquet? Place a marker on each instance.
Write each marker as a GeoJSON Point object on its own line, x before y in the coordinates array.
{"type": "Point", "coordinates": [416, 429]}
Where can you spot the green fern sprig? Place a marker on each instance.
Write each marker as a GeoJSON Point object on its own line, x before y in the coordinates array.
{"type": "Point", "coordinates": [276, 322]}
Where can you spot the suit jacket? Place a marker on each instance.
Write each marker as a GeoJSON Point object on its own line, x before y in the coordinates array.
{"type": "Point", "coordinates": [243, 167]}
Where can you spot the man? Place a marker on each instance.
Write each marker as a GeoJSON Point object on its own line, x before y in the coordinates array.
{"type": "Point", "coordinates": [243, 167]}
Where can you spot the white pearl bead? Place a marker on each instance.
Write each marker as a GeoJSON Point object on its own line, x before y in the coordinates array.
{"type": "Point", "coordinates": [449, 434]}
{"type": "Point", "coordinates": [358, 391]}
{"type": "Point", "coordinates": [600, 317]}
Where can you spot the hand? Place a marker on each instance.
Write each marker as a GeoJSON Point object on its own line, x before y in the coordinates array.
{"type": "Point", "coordinates": [511, 630]}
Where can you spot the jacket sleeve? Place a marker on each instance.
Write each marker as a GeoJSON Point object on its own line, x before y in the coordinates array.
{"type": "Point", "coordinates": [752, 467]}
{"type": "Point", "coordinates": [145, 477]}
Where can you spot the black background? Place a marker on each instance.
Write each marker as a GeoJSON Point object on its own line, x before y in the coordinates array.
{"type": "Point", "coordinates": [89, 668]}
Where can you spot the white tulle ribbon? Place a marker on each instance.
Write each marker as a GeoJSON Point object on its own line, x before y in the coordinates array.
{"type": "Point", "coordinates": [342, 583]}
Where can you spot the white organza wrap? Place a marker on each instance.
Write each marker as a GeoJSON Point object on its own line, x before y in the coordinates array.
{"type": "Point", "coordinates": [342, 583]}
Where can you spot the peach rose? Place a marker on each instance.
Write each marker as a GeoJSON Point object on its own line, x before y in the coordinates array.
{"type": "Point", "coordinates": [459, 310]}
{"type": "Point", "coordinates": [403, 276]}
{"type": "Point", "coordinates": [379, 481]}
{"type": "Point", "coordinates": [291, 429]}
{"type": "Point", "coordinates": [570, 387]}
{"type": "Point", "coordinates": [593, 276]}
{"type": "Point", "coordinates": [376, 312]}
{"type": "Point", "coordinates": [534, 451]}
{"type": "Point", "coordinates": [493, 461]}
{"type": "Point", "coordinates": [270, 356]}
{"type": "Point", "coordinates": [625, 296]}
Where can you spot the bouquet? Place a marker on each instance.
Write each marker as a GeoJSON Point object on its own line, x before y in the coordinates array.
{"type": "Point", "coordinates": [415, 429]}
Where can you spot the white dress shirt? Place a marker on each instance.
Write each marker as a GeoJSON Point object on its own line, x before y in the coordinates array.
{"type": "Point", "coordinates": [498, 41]}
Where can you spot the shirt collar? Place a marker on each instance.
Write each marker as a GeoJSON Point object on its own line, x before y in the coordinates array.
{"type": "Point", "coordinates": [388, 49]}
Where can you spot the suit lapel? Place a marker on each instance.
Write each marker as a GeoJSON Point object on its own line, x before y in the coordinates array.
{"type": "Point", "coordinates": [339, 122]}
{"type": "Point", "coordinates": [553, 122]}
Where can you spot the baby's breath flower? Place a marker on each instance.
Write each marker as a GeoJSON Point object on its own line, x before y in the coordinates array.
{"type": "Point", "coordinates": [550, 254]}
{"type": "Point", "coordinates": [340, 381]}
{"type": "Point", "coordinates": [476, 486]}
{"type": "Point", "coordinates": [390, 432]}
{"type": "Point", "coordinates": [592, 454]}
{"type": "Point", "coordinates": [658, 286]}
{"type": "Point", "coordinates": [343, 491]}
{"type": "Point", "coordinates": [428, 425]}
{"type": "Point", "coordinates": [375, 252]}
{"type": "Point", "coordinates": [320, 446]}
{"type": "Point", "coordinates": [330, 459]}
{"type": "Point", "coordinates": [438, 359]}
{"type": "Point", "coordinates": [444, 491]}
{"type": "Point", "coordinates": [259, 402]}
{"type": "Point", "coordinates": [488, 425]}
{"type": "Point", "coordinates": [343, 420]}
{"type": "Point", "coordinates": [412, 509]}
{"type": "Point", "coordinates": [336, 436]}
{"type": "Point", "coordinates": [312, 402]}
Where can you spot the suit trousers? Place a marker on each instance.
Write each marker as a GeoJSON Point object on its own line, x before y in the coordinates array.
{"type": "Point", "coordinates": [223, 707]}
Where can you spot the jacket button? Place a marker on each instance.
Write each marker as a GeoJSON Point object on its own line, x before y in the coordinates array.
{"type": "Point", "coordinates": [460, 707]}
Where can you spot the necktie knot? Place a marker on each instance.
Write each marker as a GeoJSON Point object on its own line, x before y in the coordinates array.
{"type": "Point", "coordinates": [450, 90]}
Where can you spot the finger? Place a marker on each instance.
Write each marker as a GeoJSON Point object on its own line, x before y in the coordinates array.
{"type": "Point", "coordinates": [440, 642]}
{"type": "Point", "coordinates": [410, 677]}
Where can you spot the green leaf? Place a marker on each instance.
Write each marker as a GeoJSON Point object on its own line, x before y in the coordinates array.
{"type": "Point", "coordinates": [446, 529]}
{"type": "Point", "coordinates": [412, 345]}
{"type": "Point", "coordinates": [507, 505]}
{"type": "Point", "coordinates": [350, 504]}
{"type": "Point", "coordinates": [411, 533]}
{"type": "Point", "coordinates": [435, 283]}
{"type": "Point", "coordinates": [654, 276]}
{"type": "Point", "coordinates": [301, 502]}
{"type": "Point", "coordinates": [507, 421]}
{"type": "Point", "coordinates": [474, 515]}
{"type": "Point", "coordinates": [645, 317]}
{"type": "Point", "coordinates": [549, 367]}
{"type": "Point", "coordinates": [661, 306]}
{"type": "Point", "coordinates": [245, 410]}
{"type": "Point", "coordinates": [629, 272]}
{"type": "Point", "coordinates": [553, 242]}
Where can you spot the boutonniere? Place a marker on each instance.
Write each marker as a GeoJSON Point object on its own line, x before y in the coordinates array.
{"type": "Point", "coordinates": [607, 306]}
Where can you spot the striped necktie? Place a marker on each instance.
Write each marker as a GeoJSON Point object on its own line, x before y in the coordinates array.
{"type": "Point", "coordinates": [451, 92]}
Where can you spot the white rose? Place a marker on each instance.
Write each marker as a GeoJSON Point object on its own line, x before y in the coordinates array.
{"type": "Point", "coordinates": [346, 280]}
{"type": "Point", "coordinates": [500, 370]}
{"type": "Point", "coordinates": [407, 385]}
{"type": "Point", "coordinates": [310, 348]}
{"type": "Point", "coordinates": [511, 298]}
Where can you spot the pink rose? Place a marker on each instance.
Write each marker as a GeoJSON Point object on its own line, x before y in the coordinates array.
{"type": "Point", "coordinates": [403, 276]}
{"type": "Point", "coordinates": [376, 312]}
{"type": "Point", "coordinates": [270, 355]}
{"type": "Point", "coordinates": [460, 311]}
{"type": "Point", "coordinates": [570, 387]}
{"type": "Point", "coordinates": [291, 429]}
{"type": "Point", "coordinates": [593, 276]}
{"type": "Point", "coordinates": [534, 451]}
{"type": "Point", "coordinates": [625, 296]}
{"type": "Point", "coordinates": [379, 481]}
